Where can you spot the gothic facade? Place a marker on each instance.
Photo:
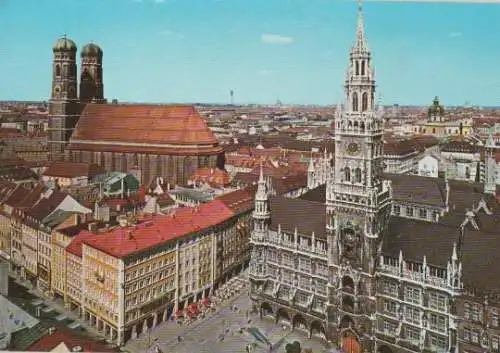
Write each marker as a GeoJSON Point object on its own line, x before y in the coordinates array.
{"type": "Point", "coordinates": [375, 262]}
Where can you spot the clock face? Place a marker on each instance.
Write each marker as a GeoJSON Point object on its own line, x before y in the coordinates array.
{"type": "Point", "coordinates": [353, 148]}
{"type": "Point", "coordinates": [57, 90]}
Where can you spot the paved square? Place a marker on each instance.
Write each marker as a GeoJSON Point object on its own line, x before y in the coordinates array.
{"type": "Point", "coordinates": [204, 335]}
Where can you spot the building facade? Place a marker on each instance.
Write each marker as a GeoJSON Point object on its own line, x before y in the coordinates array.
{"type": "Point", "coordinates": [377, 262]}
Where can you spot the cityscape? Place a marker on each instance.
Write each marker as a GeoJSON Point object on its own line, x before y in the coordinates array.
{"type": "Point", "coordinates": [267, 210]}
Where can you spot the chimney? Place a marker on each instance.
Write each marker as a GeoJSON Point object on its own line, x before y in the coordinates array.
{"type": "Point", "coordinates": [77, 349]}
{"type": "Point", "coordinates": [93, 227]}
{"type": "Point", "coordinates": [76, 219]}
{"type": "Point", "coordinates": [211, 170]}
{"type": "Point", "coordinates": [129, 235]}
{"type": "Point", "coordinates": [51, 330]}
{"type": "Point", "coordinates": [122, 221]}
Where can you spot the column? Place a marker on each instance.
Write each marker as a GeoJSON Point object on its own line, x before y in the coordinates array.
{"type": "Point", "coordinates": [155, 319]}
{"type": "Point", "coordinates": [111, 333]}
{"type": "Point", "coordinates": [165, 315]}
{"type": "Point", "coordinates": [145, 326]}
{"type": "Point", "coordinates": [134, 332]}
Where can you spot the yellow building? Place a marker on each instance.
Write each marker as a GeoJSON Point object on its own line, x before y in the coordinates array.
{"type": "Point", "coordinates": [437, 124]}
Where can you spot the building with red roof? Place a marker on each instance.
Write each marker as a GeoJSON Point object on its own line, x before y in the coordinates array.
{"type": "Point", "coordinates": [128, 277]}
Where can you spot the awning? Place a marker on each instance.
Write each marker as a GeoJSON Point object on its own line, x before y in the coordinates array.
{"type": "Point", "coordinates": [206, 301]}
{"type": "Point", "coordinates": [193, 308]}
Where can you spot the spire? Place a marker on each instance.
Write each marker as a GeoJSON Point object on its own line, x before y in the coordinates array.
{"type": "Point", "coordinates": [360, 32]}
{"type": "Point", "coordinates": [261, 175]}
{"type": "Point", "coordinates": [490, 142]}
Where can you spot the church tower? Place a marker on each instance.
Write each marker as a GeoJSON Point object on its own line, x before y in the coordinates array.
{"type": "Point", "coordinates": [358, 203]}
{"type": "Point", "coordinates": [91, 82]}
{"type": "Point", "coordinates": [64, 108]}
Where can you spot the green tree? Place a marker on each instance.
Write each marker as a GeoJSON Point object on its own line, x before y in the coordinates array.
{"type": "Point", "coordinates": [293, 347]}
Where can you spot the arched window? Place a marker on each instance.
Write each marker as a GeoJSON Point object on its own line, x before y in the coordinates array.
{"type": "Point", "coordinates": [362, 126]}
{"type": "Point", "coordinates": [357, 67]}
{"type": "Point", "coordinates": [362, 68]}
{"type": "Point", "coordinates": [358, 175]}
{"type": "Point", "coordinates": [347, 173]}
{"type": "Point", "coordinates": [364, 102]}
{"type": "Point", "coordinates": [355, 102]}
{"type": "Point", "coordinates": [58, 70]}
{"type": "Point", "coordinates": [71, 70]}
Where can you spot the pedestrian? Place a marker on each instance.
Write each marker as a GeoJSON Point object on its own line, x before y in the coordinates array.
{"type": "Point", "coordinates": [179, 339]}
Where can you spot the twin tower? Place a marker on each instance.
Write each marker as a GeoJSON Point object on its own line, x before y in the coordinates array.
{"type": "Point", "coordinates": [64, 79]}
{"type": "Point", "coordinates": [66, 103]}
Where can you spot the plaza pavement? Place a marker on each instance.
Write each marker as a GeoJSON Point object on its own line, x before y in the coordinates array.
{"type": "Point", "coordinates": [203, 335]}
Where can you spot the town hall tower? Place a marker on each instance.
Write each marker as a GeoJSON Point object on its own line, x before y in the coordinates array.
{"type": "Point", "coordinates": [358, 203]}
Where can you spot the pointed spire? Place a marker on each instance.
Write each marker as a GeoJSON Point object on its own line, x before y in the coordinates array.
{"type": "Point", "coordinates": [490, 142]}
{"type": "Point", "coordinates": [261, 175]}
{"type": "Point", "coordinates": [360, 31]}
{"type": "Point", "coordinates": [454, 256]}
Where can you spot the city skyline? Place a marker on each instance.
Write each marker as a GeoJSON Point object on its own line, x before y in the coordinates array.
{"type": "Point", "coordinates": [198, 51]}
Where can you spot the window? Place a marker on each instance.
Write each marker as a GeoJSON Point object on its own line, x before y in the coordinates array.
{"type": "Point", "coordinates": [437, 301]}
{"type": "Point", "coordinates": [422, 213]}
{"type": "Point", "coordinates": [412, 295]}
{"type": "Point", "coordinates": [437, 322]}
{"type": "Point", "coordinates": [355, 103]}
{"type": "Point", "coordinates": [494, 318]}
{"type": "Point", "coordinates": [364, 101]}
{"type": "Point", "coordinates": [467, 335]}
{"type": "Point", "coordinates": [494, 343]}
{"type": "Point", "coordinates": [390, 307]}
{"type": "Point", "coordinates": [412, 315]}
{"type": "Point", "coordinates": [347, 173]}
{"type": "Point", "coordinates": [390, 327]}
{"type": "Point", "coordinates": [409, 211]}
{"type": "Point", "coordinates": [438, 342]}
{"type": "Point", "coordinates": [475, 337]}
{"type": "Point", "coordinates": [412, 333]}
{"type": "Point", "coordinates": [397, 210]}
{"type": "Point", "coordinates": [301, 298]}
{"type": "Point", "coordinates": [358, 175]}
{"type": "Point", "coordinates": [476, 313]}
{"type": "Point", "coordinates": [58, 70]}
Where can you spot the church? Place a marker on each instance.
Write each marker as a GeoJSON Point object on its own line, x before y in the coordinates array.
{"type": "Point", "coordinates": [375, 262]}
{"type": "Point", "coordinates": [169, 141]}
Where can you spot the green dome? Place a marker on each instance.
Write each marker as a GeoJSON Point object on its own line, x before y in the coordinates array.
{"type": "Point", "coordinates": [436, 108]}
{"type": "Point", "coordinates": [64, 44]}
{"type": "Point", "coordinates": [91, 49]}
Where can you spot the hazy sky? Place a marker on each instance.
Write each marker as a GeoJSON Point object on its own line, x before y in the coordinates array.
{"type": "Point", "coordinates": [198, 50]}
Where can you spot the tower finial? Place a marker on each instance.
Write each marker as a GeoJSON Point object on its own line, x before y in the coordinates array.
{"type": "Point", "coordinates": [360, 32]}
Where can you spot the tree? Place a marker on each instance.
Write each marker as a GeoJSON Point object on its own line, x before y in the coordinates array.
{"type": "Point", "coordinates": [293, 347]}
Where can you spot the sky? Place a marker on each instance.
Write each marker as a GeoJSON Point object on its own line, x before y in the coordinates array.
{"type": "Point", "coordinates": [188, 51]}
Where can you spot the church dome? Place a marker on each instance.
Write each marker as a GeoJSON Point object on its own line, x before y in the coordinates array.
{"type": "Point", "coordinates": [91, 49]}
{"type": "Point", "coordinates": [64, 44]}
{"type": "Point", "coordinates": [436, 108]}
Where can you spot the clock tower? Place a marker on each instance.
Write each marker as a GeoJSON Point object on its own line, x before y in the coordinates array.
{"type": "Point", "coordinates": [358, 204]}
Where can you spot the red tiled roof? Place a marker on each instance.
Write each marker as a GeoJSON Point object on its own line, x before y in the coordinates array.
{"type": "Point", "coordinates": [65, 169]}
{"type": "Point", "coordinates": [7, 132]}
{"type": "Point", "coordinates": [214, 176]}
{"type": "Point", "coordinates": [239, 201]}
{"type": "Point", "coordinates": [71, 340]}
{"type": "Point", "coordinates": [158, 124]}
{"type": "Point", "coordinates": [157, 230]}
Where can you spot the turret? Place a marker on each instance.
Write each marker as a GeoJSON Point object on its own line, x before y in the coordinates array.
{"type": "Point", "coordinates": [490, 183]}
